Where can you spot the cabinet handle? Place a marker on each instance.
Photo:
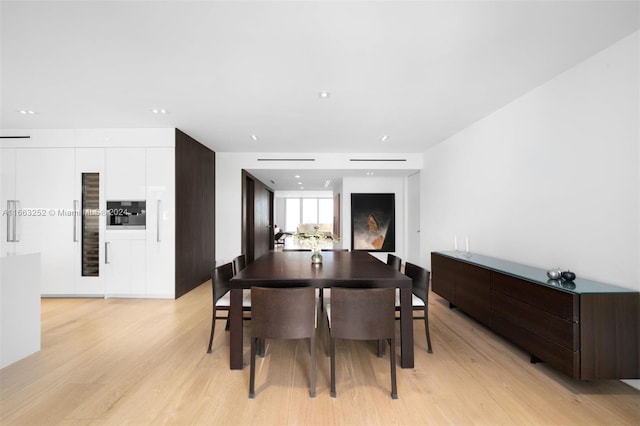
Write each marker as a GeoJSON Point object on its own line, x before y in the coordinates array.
{"type": "Point", "coordinates": [106, 253]}
{"type": "Point", "coordinates": [15, 222]}
{"type": "Point", "coordinates": [9, 226]}
{"type": "Point", "coordinates": [75, 221]}
{"type": "Point", "coordinates": [158, 220]}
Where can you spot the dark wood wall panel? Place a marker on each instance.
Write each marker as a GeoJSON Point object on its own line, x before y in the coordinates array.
{"type": "Point", "coordinates": [195, 213]}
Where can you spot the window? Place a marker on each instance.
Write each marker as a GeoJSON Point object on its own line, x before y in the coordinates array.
{"type": "Point", "coordinates": [307, 210]}
{"type": "Point", "coordinates": [292, 214]}
{"type": "Point", "coordinates": [325, 210]}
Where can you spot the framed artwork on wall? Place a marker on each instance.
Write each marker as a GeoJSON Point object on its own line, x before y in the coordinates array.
{"type": "Point", "coordinates": [373, 222]}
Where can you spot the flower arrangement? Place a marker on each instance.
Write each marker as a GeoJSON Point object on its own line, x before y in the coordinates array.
{"type": "Point", "coordinates": [315, 240]}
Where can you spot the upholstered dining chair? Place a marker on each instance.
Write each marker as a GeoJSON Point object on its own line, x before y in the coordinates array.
{"type": "Point", "coordinates": [394, 261]}
{"type": "Point", "coordinates": [220, 290]}
{"type": "Point", "coordinates": [361, 314]}
{"type": "Point", "coordinates": [419, 297]}
{"type": "Point", "coordinates": [283, 313]}
{"type": "Point", "coordinates": [239, 263]}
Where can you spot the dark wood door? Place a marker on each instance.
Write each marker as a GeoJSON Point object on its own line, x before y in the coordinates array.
{"type": "Point", "coordinates": [257, 217]}
{"type": "Point", "coordinates": [262, 218]}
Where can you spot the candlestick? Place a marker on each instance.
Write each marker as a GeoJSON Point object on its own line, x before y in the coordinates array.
{"type": "Point", "coordinates": [455, 242]}
{"type": "Point", "coordinates": [467, 244]}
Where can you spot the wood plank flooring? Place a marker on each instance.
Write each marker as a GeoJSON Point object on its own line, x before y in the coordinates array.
{"type": "Point", "coordinates": [144, 362]}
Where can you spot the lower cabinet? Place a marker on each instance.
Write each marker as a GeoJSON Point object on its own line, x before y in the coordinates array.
{"type": "Point", "coordinates": [589, 334]}
{"type": "Point", "coordinates": [473, 292]}
{"type": "Point", "coordinates": [541, 320]}
{"type": "Point", "coordinates": [125, 271]}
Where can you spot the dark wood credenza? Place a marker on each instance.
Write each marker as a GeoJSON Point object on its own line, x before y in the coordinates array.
{"type": "Point", "coordinates": [585, 329]}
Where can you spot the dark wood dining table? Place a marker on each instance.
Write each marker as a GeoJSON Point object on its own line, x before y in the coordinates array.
{"type": "Point", "coordinates": [339, 268]}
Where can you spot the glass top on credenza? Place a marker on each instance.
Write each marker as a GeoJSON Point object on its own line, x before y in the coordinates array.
{"type": "Point", "coordinates": [536, 275]}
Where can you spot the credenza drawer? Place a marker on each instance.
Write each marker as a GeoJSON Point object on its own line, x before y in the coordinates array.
{"type": "Point", "coordinates": [443, 276]}
{"type": "Point", "coordinates": [557, 302]}
{"type": "Point", "coordinates": [561, 331]}
{"type": "Point", "coordinates": [557, 356]}
{"type": "Point", "coordinates": [473, 292]}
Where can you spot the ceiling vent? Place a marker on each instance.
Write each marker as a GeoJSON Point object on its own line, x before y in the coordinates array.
{"type": "Point", "coordinates": [15, 137]}
{"type": "Point", "coordinates": [286, 159]}
{"type": "Point", "coordinates": [378, 159]}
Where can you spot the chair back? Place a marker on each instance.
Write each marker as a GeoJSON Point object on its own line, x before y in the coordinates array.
{"type": "Point", "coordinates": [362, 313]}
{"type": "Point", "coordinates": [283, 313]}
{"type": "Point", "coordinates": [420, 277]}
{"type": "Point", "coordinates": [394, 261]}
{"type": "Point", "coordinates": [239, 263]}
{"type": "Point", "coordinates": [220, 280]}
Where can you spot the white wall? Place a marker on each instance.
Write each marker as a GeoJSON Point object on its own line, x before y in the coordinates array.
{"type": "Point", "coordinates": [229, 186]}
{"type": "Point", "coordinates": [551, 179]}
{"type": "Point", "coordinates": [396, 186]}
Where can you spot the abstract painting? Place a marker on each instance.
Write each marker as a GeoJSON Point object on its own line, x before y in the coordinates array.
{"type": "Point", "coordinates": [373, 222]}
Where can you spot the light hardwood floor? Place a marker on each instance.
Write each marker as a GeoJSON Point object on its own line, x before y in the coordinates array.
{"type": "Point", "coordinates": [144, 362]}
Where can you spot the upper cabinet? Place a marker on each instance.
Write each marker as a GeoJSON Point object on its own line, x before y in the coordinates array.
{"type": "Point", "coordinates": [125, 174]}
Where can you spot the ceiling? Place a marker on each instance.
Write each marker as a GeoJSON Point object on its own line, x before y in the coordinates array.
{"type": "Point", "coordinates": [416, 72]}
{"type": "Point", "coordinates": [297, 180]}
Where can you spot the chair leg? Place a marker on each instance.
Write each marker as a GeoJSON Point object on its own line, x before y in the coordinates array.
{"type": "Point", "coordinates": [392, 360]}
{"type": "Point", "coordinates": [426, 329]}
{"type": "Point", "coordinates": [213, 328]}
{"type": "Point", "coordinates": [226, 327]}
{"type": "Point", "coordinates": [332, 350]}
{"type": "Point", "coordinates": [252, 372]}
{"type": "Point", "coordinates": [327, 351]}
{"type": "Point", "coordinates": [312, 392]}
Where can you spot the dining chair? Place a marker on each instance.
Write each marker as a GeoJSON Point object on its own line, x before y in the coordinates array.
{"type": "Point", "coordinates": [361, 314]}
{"type": "Point", "coordinates": [419, 296]}
{"type": "Point", "coordinates": [239, 263]}
{"type": "Point", "coordinates": [221, 296]}
{"type": "Point", "coordinates": [394, 261]}
{"type": "Point", "coordinates": [283, 313]}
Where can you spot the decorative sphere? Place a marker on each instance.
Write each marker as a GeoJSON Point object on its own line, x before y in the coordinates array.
{"type": "Point", "coordinates": [554, 274]}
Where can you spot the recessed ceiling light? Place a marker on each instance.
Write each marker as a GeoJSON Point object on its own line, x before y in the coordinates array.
{"type": "Point", "coordinates": [26, 112]}
{"type": "Point", "coordinates": [297, 176]}
{"type": "Point", "coordinates": [327, 183]}
{"type": "Point", "coordinates": [299, 183]}
{"type": "Point", "coordinates": [302, 187]}
{"type": "Point", "coordinates": [159, 111]}
{"type": "Point", "coordinates": [324, 94]}
{"type": "Point", "coordinates": [254, 137]}
{"type": "Point", "coordinates": [384, 138]}
{"type": "Point", "coordinates": [369, 173]}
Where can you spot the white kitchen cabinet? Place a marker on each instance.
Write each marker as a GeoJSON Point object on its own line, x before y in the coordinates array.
{"type": "Point", "coordinates": [7, 198]}
{"type": "Point", "coordinates": [89, 254]}
{"type": "Point", "coordinates": [124, 267]}
{"type": "Point", "coordinates": [125, 174]}
{"type": "Point", "coordinates": [46, 221]}
{"type": "Point", "coordinates": [160, 232]}
{"type": "Point", "coordinates": [44, 173]}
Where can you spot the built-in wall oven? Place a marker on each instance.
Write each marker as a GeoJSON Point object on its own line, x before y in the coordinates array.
{"type": "Point", "coordinates": [126, 214]}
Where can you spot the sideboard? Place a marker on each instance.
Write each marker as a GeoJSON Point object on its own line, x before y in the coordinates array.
{"type": "Point", "coordinates": [585, 329]}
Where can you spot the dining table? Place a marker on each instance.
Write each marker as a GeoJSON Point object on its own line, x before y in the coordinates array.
{"type": "Point", "coordinates": [355, 269]}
